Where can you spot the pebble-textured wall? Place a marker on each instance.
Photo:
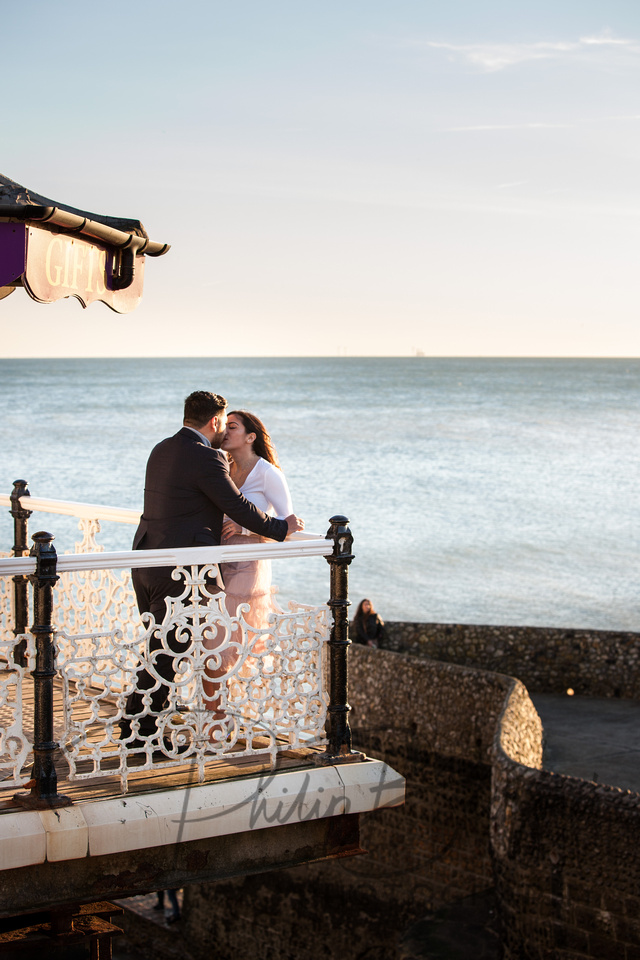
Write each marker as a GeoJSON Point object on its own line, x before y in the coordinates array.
{"type": "Point", "coordinates": [435, 724]}
{"type": "Point", "coordinates": [596, 663]}
{"type": "Point", "coordinates": [561, 852]}
{"type": "Point", "coordinates": [565, 865]}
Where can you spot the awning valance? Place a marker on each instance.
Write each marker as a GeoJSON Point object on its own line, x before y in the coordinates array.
{"type": "Point", "coordinates": [56, 251]}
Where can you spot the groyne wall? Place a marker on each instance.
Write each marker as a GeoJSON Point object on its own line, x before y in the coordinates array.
{"type": "Point", "coordinates": [557, 854]}
{"type": "Point", "coordinates": [594, 663]}
{"type": "Point", "coordinates": [565, 865]}
{"type": "Point", "coordinates": [435, 724]}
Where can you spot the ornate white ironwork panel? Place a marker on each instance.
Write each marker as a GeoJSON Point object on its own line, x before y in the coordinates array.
{"type": "Point", "coordinates": [94, 600]}
{"type": "Point", "coordinates": [198, 685]}
{"type": "Point", "coordinates": [14, 744]}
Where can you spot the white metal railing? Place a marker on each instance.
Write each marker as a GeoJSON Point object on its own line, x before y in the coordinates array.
{"type": "Point", "coordinates": [233, 687]}
{"type": "Point", "coordinates": [304, 545]}
{"type": "Point", "coordinates": [71, 591]}
{"type": "Point", "coordinates": [71, 508]}
{"type": "Point", "coordinates": [72, 611]}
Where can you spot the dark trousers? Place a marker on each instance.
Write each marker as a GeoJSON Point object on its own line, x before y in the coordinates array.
{"type": "Point", "coordinates": [152, 586]}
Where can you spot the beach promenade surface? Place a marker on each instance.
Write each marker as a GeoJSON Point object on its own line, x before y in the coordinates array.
{"type": "Point", "coordinates": [593, 739]}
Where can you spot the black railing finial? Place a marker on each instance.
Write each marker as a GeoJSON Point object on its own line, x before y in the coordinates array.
{"type": "Point", "coordinates": [339, 746]}
{"type": "Point", "coordinates": [20, 489]}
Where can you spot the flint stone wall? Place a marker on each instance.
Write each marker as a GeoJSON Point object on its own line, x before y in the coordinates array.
{"type": "Point", "coordinates": [565, 860]}
{"type": "Point", "coordinates": [561, 853]}
{"type": "Point", "coordinates": [435, 724]}
{"type": "Point", "coordinates": [594, 663]}
{"type": "Point", "coordinates": [566, 868]}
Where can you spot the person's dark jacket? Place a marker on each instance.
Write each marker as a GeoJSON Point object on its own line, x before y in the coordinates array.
{"type": "Point", "coordinates": [368, 629]}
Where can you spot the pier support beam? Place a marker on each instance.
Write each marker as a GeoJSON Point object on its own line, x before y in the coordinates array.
{"type": "Point", "coordinates": [160, 868]}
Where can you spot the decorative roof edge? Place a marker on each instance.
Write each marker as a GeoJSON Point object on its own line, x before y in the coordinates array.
{"type": "Point", "coordinates": [18, 203]}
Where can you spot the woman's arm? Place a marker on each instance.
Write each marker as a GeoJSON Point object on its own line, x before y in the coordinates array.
{"type": "Point", "coordinates": [215, 483]}
{"type": "Point", "coordinates": [276, 490]}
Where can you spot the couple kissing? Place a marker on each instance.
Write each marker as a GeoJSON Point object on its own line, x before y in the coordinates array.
{"type": "Point", "coordinates": [216, 480]}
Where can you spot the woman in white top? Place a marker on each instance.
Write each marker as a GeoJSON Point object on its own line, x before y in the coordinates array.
{"type": "Point", "coordinates": [255, 470]}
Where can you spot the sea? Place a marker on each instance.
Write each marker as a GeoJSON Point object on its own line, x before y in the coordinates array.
{"type": "Point", "coordinates": [487, 491]}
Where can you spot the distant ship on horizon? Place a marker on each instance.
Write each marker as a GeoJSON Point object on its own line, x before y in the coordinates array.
{"type": "Point", "coordinates": [417, 352]}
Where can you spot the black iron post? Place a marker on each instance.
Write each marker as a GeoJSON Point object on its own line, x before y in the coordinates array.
{"type": "Point", "coordinates": [20, 583]}
{"type": "Point", "coordinates": [339, 746]}
{"type": "Point", "coordinates": [44, 790]}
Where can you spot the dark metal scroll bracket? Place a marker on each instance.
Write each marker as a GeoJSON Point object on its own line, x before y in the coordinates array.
{"type": "Point", "coordinates": [44, 779]}
{"type": "Point", "coordinates": [339, 746]}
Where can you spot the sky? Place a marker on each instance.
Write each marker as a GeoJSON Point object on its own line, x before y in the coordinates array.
{"type": "Point", "coordinates": [351, 177]}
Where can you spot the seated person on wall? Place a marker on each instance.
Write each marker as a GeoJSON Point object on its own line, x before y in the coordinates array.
{"type": "Point", "coordinates": [367, 627]}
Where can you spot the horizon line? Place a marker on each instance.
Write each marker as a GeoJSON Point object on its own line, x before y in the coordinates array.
{"type": "Point", "coordinates": [333, 356]}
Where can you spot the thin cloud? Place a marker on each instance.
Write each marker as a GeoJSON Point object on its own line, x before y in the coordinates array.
{"type": "Point", "coordinates": [624, 119]}
{"type": "Point", "coordinates": [508, 126]}
{"type": "Point", "coordinates": [484, 127]}
{"type": "Point", "coordinates": [604, 38]}
{"type": "Point", "coordinates": [493, 57]}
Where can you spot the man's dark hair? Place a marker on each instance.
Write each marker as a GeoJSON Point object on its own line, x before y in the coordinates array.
{"type": "Point", "coordinates": [200, 406]}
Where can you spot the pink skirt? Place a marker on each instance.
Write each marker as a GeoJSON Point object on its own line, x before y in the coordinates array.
{"type": "Point", "coordinates": [249, 582]}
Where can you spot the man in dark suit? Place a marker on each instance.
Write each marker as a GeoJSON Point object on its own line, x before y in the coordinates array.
{"type": "Point", "coordinates": [187, 492]}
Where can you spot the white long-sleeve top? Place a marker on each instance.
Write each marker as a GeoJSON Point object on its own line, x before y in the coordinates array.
{"type": "Point", "coordinates": [267, 488]}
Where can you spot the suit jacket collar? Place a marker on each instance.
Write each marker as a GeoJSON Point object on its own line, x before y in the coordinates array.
{"type": "Point", "coordinates": [190, 435]}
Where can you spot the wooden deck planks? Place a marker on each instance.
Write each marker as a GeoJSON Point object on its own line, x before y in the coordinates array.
{"type": "Point", "coordinates": [101, 787]}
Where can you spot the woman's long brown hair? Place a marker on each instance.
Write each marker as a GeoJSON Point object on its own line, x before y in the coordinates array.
{"type": "Point", "coordinates": [263, 444]}
{"type": "Point", "coordinates": [360, 612]}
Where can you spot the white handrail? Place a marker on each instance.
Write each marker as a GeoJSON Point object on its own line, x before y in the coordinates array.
{"type": "Point", "coordinates": [306, 546]}
{"type": "Point", "coordinates": [87, 511]}
{"type": "Point", "coordinates": [97, 511]}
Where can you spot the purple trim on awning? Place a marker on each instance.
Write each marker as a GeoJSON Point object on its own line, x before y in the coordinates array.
{"type": "Point", "coordinates": [13, 252]}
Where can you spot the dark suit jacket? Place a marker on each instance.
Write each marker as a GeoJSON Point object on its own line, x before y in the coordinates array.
{"type": "Point", "coordinates": [187, 492]}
